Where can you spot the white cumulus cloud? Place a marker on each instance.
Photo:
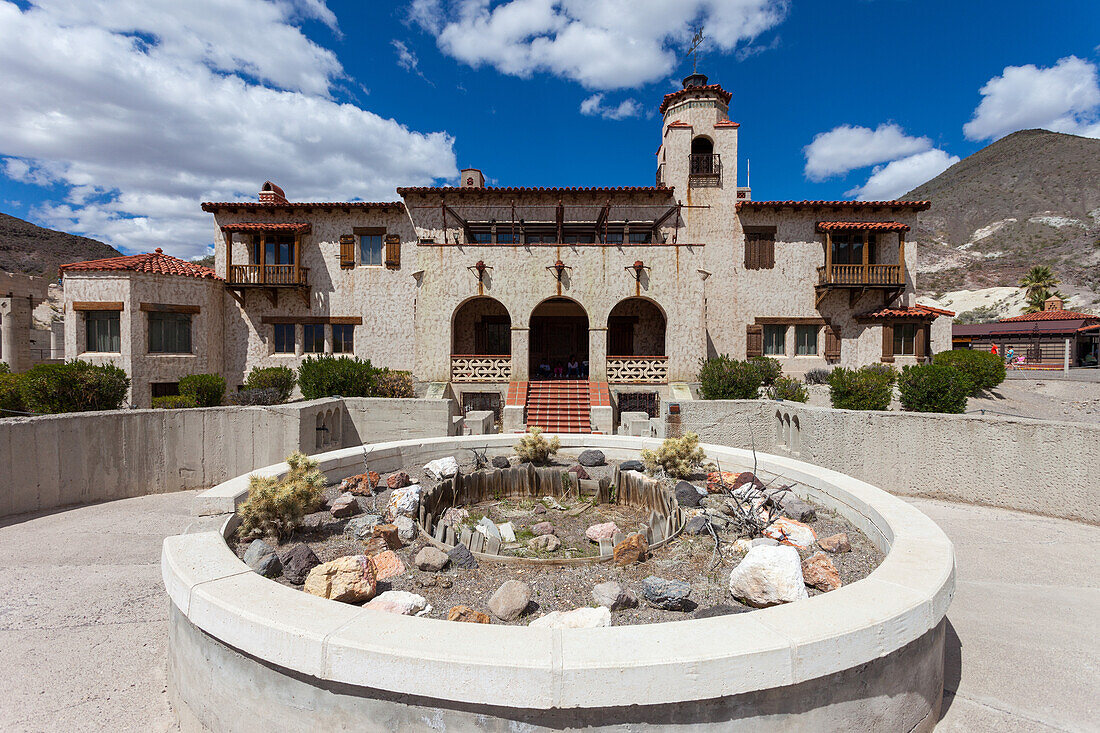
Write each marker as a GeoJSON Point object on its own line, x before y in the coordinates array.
{"type": "Point", "coordinates": [1063, 98]}
{"type": "Point", "coordinates": [602, 44]}
{"type": "Point", "coordinates": [900, 176]}
{"type": "Point", "coordinates": [140, 109]}
{"type": "Point", "coordinates": [594, 106]}
{"type": "Point", "coordinates": [848, 147]}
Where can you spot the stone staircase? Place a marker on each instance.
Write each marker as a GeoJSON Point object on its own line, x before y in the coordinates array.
{"type": "Point", "coordinates": [560, 406]}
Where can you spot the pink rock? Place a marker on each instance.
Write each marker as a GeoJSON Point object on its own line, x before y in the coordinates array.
{"type": "Point", "coordinates": [603, 531]}
{"type": "Point", "coordinates": [543, 528]}
{"type": "Point", "coordinates": [388, 565]}
{"type": "Point", "coordinates": [792, 532]}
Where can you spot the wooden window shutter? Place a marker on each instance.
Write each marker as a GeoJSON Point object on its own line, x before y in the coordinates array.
{"type": "Point", "coordinates": [887, 342]}
{"type": "Point", "coordinates": [750, 252]}
{"type": "Point", "coordinates": [393, 251]}
{"type": "Point", "coordinates": [347, 251]}
{"type": "Point", "coordinates": [754, 341]}
{"type": "Point", "coordinates": [921, 340]}
{"type": "Point", "coordinates": [768, 247]}
{"type": "Point", "coordinates": [832, 345]}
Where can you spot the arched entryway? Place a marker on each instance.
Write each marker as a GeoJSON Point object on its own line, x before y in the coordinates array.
{"type": "Point", "coordinates": [559, 340]}
{"type": "Point", "coordinates": [636, 343]}
{"type": "Point", "coordinates": [481, 341]}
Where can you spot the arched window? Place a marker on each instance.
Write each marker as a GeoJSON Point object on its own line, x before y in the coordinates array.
{"type": "Point", "coordinates": [703, 161]}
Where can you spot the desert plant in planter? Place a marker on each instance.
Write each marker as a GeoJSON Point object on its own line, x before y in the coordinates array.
{"type": "Point", "coordinates": [276, 506]}
{"type": "Point", "coordinates": [723, 378]}
{"type": "Point", "coordinates": [207, 390]}
{"type": "Point", "coordinates": [74, 386]}
{"type": "Point", "coordinates": [533, 448]}
{"type": "Point", "coordinates": [868, 388]}
{"type": "Point", "coordinates": [174, 402]}
{"type": "Point", "coordinates": [677, 457]}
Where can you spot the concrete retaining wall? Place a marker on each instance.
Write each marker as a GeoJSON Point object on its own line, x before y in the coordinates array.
{"type": "Point", "coordinates": [1043, 467]}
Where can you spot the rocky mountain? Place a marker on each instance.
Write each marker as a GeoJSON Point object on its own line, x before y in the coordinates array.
{"type": "Point", "coordinates": [34, 250]}
{"type": "Point", "coordinates": [1030, 198]}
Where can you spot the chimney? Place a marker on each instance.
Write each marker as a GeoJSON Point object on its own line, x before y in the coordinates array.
{"type": "Point", "coordinates": [271, 194]}
{"type": "Point", "coordinates": [1053, 303]}
{"type": "Point", "coordinates": [472, 178]}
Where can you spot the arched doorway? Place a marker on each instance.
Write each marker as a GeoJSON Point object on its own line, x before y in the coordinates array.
{"type": "Point", "coordinates": [481, 341]}
{"type": "Point", "coordinates": [636, 343]}
{"type": "Point", "coordinates": [703, 161]}
{"type": "Point", "coordinates": [559, 340]}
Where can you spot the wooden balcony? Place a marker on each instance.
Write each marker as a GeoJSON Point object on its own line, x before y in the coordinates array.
{"type": "Point", "coordinates": [857, 279]}
{"type": "Point", "coordinates": [270, 278]}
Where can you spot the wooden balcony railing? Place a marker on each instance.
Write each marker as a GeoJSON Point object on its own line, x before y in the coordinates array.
{"type": "Point", "coordinates": [268, 275]}
{"type": "Point", "coordinates": [860, 275]}
{"type": "Point", "coordinates": [637, 369]}
{"type": "Point", "coordinates": [481, 368]}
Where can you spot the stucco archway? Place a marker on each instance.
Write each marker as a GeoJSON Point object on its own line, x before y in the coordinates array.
{"type": "Point", "coordinates": [481, 326]}
{"type": "Point", "coordinates": [636, 327]}
{"type": "Point", "coordinates": [558, 339]}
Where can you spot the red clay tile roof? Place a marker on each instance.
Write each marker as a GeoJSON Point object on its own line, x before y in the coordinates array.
{"type": "Point", "coordinates": [727, 123]}
{"type": "Point", "coordinates": [674, 97]}
{"type": "Point", "coordinates": [449, 190]}
{"type": "Point", "coordinates": [259, 226]}
{"type": "Point", "coordinates": [874, 226]}
{"type": "Point", "coordinates": [914, 205]}
{"type": "Point", "coordinates": [1055, 315]}
{"type": "Point", "coordinates": [213, 206]}
{"type": "Point", "coordinates": [911, 311]}
{"type": "Point", "coordinates": [156, 262]}
{"type": "Point", "coordinates": [679, 123]}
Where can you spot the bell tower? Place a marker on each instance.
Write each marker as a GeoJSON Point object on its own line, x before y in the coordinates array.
{"type": "Point", "coordinates": [698, 152]}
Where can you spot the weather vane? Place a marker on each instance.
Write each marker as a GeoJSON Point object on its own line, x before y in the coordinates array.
{"type": "Point", "coordinates": [693, 50]}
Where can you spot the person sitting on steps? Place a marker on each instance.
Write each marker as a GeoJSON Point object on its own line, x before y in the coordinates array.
{"type": "Point", "coordinates": [573, 367]}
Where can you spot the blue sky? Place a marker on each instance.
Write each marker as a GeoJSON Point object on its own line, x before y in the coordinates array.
{"type": "Point", "coordinates": [118, 116]}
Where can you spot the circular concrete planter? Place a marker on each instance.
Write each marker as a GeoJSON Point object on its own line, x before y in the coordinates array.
{"type": "Point", "coordinates": [246, 652]}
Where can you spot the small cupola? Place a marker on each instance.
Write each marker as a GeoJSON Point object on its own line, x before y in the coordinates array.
{"type": "Point", "coordinates": [1053, 303]}
{"type": "Point", "coordinates": [271, 194]}
{"type": "Point", "coordinates": [472, 178]}
{"type": "Point", "coordinates": [695, 79]}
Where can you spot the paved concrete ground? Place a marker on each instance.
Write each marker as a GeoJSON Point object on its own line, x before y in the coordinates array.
{"type": "Point", "coordinates": [82, 619]}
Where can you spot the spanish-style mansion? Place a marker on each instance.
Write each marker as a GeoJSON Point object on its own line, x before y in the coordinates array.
{"type": "Point", "coordinates": [625, 288]}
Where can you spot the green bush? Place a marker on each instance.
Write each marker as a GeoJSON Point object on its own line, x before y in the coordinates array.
{"type": "Point", "coordinates": [788, 388]}
{"type": "Point", "coordinates": [174, 402]}
{"type": "Point", "coordinates": [391, 383]}
{"type": "Point", "coordinates": [769, 369]}
{"type": "Point", "coordinates": [246, 397]}
{"type": "Point", "coordinates": [207, 390]}
{"type": "Point", "coordinates": [723, 378]}
{"type": "Point", "coordinates": [4, 368]}
{"type": "Point", "coordinates": [817, 376]}
{"type": "Point", "coordinates": [74, 386]}
{"type": "Point", "coordinates": [279, 378]}
{"type": "Point", "coordinates": [329, 376]}
{"type": "Point", "coordinates": [276, 506]}
{"type": "Point", "coordinates": [869, 388]}
{"type": "Point", "coordinates": [933, 388]}
{"type": "Point", "coordinates": [11, 397]}
{"type": "Point", "coordinates": [982, 369]}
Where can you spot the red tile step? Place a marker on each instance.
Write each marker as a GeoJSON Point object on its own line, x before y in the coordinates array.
{"type": "Point", "coordinates": [560, 406]}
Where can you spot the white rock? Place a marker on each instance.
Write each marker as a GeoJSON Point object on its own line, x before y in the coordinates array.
{"type": "Point", "coordinates": [578, 618]}
{"type": "Point", "coordinates": [507, 532]}
{"type": "Point", "coordinates": [742, 545]}
{"type": "Point", "coordinates": [406, 528]}
{"type": "Point", "coordinates": [455, 516]}
{"type": "Point", "coordinates": [398, 601]}
{"type": "Point", "coordinates": [404, 501]}
{"type": "Point", "coordinates": [442, 468]}
{"type": "Point", "coordinates": [792, 532]}
{"type": "Point", "coordinates": [768, 576]}
{"type": "Point", "coordinates": [488, 528]}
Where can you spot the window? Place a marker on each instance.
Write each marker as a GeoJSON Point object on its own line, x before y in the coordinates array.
{"type": "Point", "coordinates": [284, 338]}
{"type": "Point", "coordinates": [905, 339]}
{"type": "Point", "coordinates": [102, 329]}
{"type": "Point", "coordinates": [370, 249]}
{"type": "Point", "coordinates": [169, 333]}
{"type": "Point", "coordinates": [164, 389]}
{"type": "Point", "coordinates": [313, 338]}
{"type": "Point", "coordinates": [273, 249]}
{"type": "Point", "coordinates": [342, 338]}
{"type": "Point", "coordinates": [535, 238]}
{"type": "Point", "coordinates": [481, 237]}
{"type": "Point", "coordinates": [775, 340]}
{"type": "Point", "coordinates": [805, 340]}
{"type": "Point", "coordinates": [848, 248]}
{"type": "Point", "coordinates": [495, 337]}
{"type": "Point", "coordinates": [640, 237]}
{"type": "Point", "coordinates": [614, 238]}
{"type": "Point", "coordinates": [759, 249]}
{"type": "Point", "coordinates": [504, 235]}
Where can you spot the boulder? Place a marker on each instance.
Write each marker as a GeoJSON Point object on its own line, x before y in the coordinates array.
{"type": "Point", "coordinates": [488, 528]}
{"type": "Point", "coordinates": [747, 477]}
{"type": "Point", "coordinates": [261, 557]}
{"type": "Point", "coordinates": [768, 576]}
{"type": "Point", "coordinates": [345, 505]}
{"type": "Point", "coordinates": [442, 468]}
{"type": "Point", "coordinates": [632, 465]}
{"type": "Point", "coordinates": [404, 501]}
{"type": "Point", "coordinates": [431, 559]}
{"type": "Point", "coordinates": [631, 550]}
{"type": "Point", "coordinates": [835, 543]}
{"type": "Point", "coordinates": [791, 532]}
{"type": "Point", "coordinates": [507, 532]}
{"type": "Point", "coordinates": [406, 528]}
{"type": "Point", "coordinates": [539, 509]}
{"type": "Point", "coordinates": [591, 457]}
{"type": "Point", "coordinates": [363, 484]}
{"type": "Point", "coordinates": [670, 595]}
{"type": "Point", "coordinates": [579, 618]}
{"type": "Point", "coordinates": [349, 579]}
{"type": "Point", "coordinates": [400, 602]}
{"type": "Point", "coordinates": [722, 609]}
{"type": "Point", "coordinates": [696, 525]}
{"type": "Point", "coordinates": [388, 533]}
{"type": "Point", "coordinates": [720, 482]}
{"type": "Point", "coordinates": [468, 615]}
{"type": "Point", "coordinates": [387, 565]}
{"type": "Point", "coordinates": [687, 495]}
{"type": "Point", "coordinates": [398, 480]}
{"type": "Point", "coordinates": [543, 528]}
{"type": "Point", "coordinates": [454, 516]}
{"type": "Point", "coordinates": [510, 600]}
{"type": "Point", "coordinates": [297, 562]}
{"type": "Point", "coordinates": [795, 508]}
{"type": "Point", "coordinates": [361, 528]}
{"type": "Point", "coordinates": [614, 596]}
{"type": "Point", "coordinates": [603, 531]}
{"type": "Point", "coordinates": [544, 543]}
{"type": "Point", "coordinates": [819, 572]}
{"type": "Point", "coordinates": [501, 462]}
{"type": "Point", "coordinates": [578, 471]}
{"type": "Point", "coordinates": [374, 545]}
{"type": "Point", "coordinates": [461, 557]}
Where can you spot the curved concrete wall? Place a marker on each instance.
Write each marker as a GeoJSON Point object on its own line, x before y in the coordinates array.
{"type": "Point", "coordinates": [801, 664]}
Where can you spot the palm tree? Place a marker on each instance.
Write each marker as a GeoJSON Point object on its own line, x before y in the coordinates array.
{"type": "Point", "coordinates": [1038, 284]}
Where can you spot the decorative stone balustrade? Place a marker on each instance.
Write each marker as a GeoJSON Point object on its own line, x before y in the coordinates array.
{"type": "Point", "coordinates": [637, 369]}
{"type": "Point", "coordinates": [478, 368]}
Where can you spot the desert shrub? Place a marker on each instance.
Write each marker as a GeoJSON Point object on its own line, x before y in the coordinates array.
{"type": "Point", "coordinates": [278, 378]}
{"type": "Point", "coordinates": [207, 390]}
{"type": "Point", "coordinates": [74, 386]}
{"type": "Point", "coordinates": [885, 370]}
{"type": "Point", "coordinates": [174, 402]}
{"type": "Point", "coordinates": [330, 376]}
{"type": "Point", "coordinates": [933, 388]}
{"type": "Point", "coordinates": [247, 397]}
{"type": "Point", "coordinates": [4, 368]}
{"type": "Point", "coordinates": [982, 369]}
{"type": "Point", "coordinates": [392, 383]}
{"type": "Point", "coordinates": [276, 506]}
{"type": "Point", "coordinates": [533, 448]}
{"type": "Point", "coordinates": [869, 388]}
{"type": "Point", "coordinates": [817, 376]}
{"type": "Point", "coordinates": [788, 388]}
{"type": "Point", "coordinates": [723, 378]}
{"type": "Point", "coordinates": [11, 397]}
{"type": "Point", "coordinates": [769, 369]}
{"type": "Point", "coordinates": [677, 457]}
